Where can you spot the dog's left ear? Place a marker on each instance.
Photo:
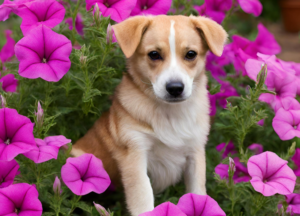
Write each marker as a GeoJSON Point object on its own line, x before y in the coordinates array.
{"type": "Point", "coordinates": [213, 33]}
{"type": "Point", "coordinates": [129, 33]}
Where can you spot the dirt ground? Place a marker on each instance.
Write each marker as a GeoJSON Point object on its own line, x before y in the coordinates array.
{"type": "Point", "coordinates": [289, 42]}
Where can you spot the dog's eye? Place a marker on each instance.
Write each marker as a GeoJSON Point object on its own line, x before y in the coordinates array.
{"type": "Point", "coordinates": [191, 55]}
{"type": "Point", "coordinates": [154, 55]}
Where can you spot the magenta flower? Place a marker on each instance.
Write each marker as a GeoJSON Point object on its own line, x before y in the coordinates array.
{"type": "Point", "coordinates": [251, 6]}
{"type": "Point", "coordinates": [222, 170]}
{"type": "Point", "coordinates": [8, 171]}
{"type": "Point", "coordinates": [85, 174]}
{"type": "Point", "coordinates": [153, 7]}
{"type": "Point", "coordinates": [47, 148]}
{"type": "Point", "coordinates": [271, 174]}
{"type": "Point", "coordinates": [199, 205]}
{"type": "Point", "coordinates": [110, 35]}
{"type": "Point", "coordinates": [20, 199]}
{"type": "Point", "coordinates": [296, 159]}
{"type": "Point", "coordinates": [9, 83]}
{"type": "Point", "coordinates": [7, 50]}
{"type": "Point", "coordinates": [287, 124]}
{"type": "Point", "coordinates": [230, 148]}
{"type": "Point", "coordinates": [47, 12]}
{"type": "Point", "coordinates": [11, 7]}
{"type": "Point", "coordinates": [293, 201]}
{"type": "Point", "coordinates": [261, 122]}
{"type": "Point", "coordinates": [16, 134]}
{"type": "Point", "coordinates": [78, 24]}
{"type": "Point", "coordinates": [165, 209]}
{"type": "Point", "coordinates": [44, 53]}
{"type": "Point", "coordinates": [117, 10]}
{"type": "Point", "coordinates": [57, 186]}
{"type": "Point", "coordinates": [256, 148]}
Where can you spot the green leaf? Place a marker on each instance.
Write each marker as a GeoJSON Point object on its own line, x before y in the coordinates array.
{"type": "Point", "coordinates": [215, 89]}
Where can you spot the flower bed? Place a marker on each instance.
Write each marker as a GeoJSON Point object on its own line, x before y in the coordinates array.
{"type": "Point", "coordinates": [59, 66]}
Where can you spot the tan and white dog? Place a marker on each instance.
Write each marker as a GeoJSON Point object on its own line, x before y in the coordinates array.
{"type": "Point", "coordinates": [158, 123]}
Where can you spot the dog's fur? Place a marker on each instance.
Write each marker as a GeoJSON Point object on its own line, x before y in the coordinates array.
{"type": "Point", "coordinates": [145, 133]}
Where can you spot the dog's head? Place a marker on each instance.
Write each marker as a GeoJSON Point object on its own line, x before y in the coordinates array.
{"type": "Point", "coordinates": [168, 52]}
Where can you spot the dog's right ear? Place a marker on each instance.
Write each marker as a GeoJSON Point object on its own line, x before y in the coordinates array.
{"type": "Point", "coordinates": [129, 33]}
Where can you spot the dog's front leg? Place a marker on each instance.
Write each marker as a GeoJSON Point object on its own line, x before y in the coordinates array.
{"type": "Point", "coordinates": [195, 172]}
{"type": "Point", "coordinates": [137, 186]}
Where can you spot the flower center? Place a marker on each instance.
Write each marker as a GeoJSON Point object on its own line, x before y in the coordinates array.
{"type": "Point", "coordinates": [295, 127]}
{"type": "Point", "coordinates": [106, 4]}
{"type": "Point", "coordinates": [17, 210]}
{"type": "Point", "coordinates": [145, 7]}
{"type": "Point", "coordinates": [7, 142]}
{"type": "Point", "coordinates": [265, 180]}
{"type": "Point", "coordinates": [44, 60]}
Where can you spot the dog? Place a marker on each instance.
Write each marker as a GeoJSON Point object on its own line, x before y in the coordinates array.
{"type": "Point", "coordinates": [158, 123]}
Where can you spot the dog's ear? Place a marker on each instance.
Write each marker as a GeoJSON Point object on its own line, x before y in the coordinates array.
{"type": "Point", "coordinates": [129, 33]}
{"type": "Point", "coordinates": [213, 33]}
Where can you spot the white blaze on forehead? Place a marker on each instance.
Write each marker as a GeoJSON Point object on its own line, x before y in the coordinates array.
{"type": "Point", "coordinates": [172, 43]}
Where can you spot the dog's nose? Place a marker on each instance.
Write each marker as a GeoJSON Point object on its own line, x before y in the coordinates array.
{"type": "Point", "coordinates": [175, 88]}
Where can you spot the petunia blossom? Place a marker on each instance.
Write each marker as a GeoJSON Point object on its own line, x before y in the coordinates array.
{"type": "Point", "coordinates": [20, 199]}
{"type": "Point", "coordinates": [9, 83]}
{"type": "Point", "coordinates": [229, 148]}
{"type": "Point", "coordinates": [287, 123]}
{"type": "Point", "coordinates": [152, 7]}
{"type": "Point", "coordinates": [117, 10]}
{"type": "Point", "coordinates": [165, 209]}
{"type": "Point", "coordinates": [9, 7]}
{"type": "Point", "coordinates": [293, 201]}
{"type": "Point", "coordinates": [16, 134]}
{"type": "Point", "coordinates": [47, 148]}
{"type": "Point", "coordinates": [222, 170]}
{"type": "Point", "coordinates": [271, 174]}
{"type": "Point", "coordinates": [85, 174]}
{"type": "Point", "coordinates": [7, 51]}
{"type": "Point", "coordinates": [296, 159]}
{"type": "Point", "coordinates": [251, 6]}
{"type": "Point", "coordinates": [47, 12]}
{"type": "Point", "coordinates": [8, 171]}
{"type": "Point", "coordinates": [78, 24]}
{"type": "Point", "coordinates": [199, 205]}
{"type": "Point", "coordinates": [256, 148]}
{"type": "Point", "coordinates": [44, 53]}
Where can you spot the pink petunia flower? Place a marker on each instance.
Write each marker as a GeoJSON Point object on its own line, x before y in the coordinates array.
{"type": "Point", "coordinates": [9, 7]}
{"type": "Point", "coordinates": [20, 199]}
{"type": "Point", "coordinates": [8, 171]}
{"type": "Point", "coordinates": [85, 174]}
{"type": "Point", "coordinates": [287, 124]}
{"type": "Point", "coordinates": [271, 174]}
{"type": "Point", "coordinates": [47, 148]}
{"type": "Point", "coordinates": [47, 12]}
{"type": "Point", "coordinates": [199, 205]}
{"type": "Point", "coordinates": [256, 148]}
{"type": "Point", "coordinates": [9, 83]}
{"type": "Point", "coordinates": [7, 51]}
{"type": "Point", "coordinates": [117, 10]}
{"type": "Point", "coordinates": [296, 159]}
{"type": "Point", "coordinates": [251, 6]}
{"type": "Point", "coordinates": [16, 134]}
{"type": "Point", "coordinates": [293, 201]}
{"type": "Point", "coordinates": [222, 170]}
{"type": "Point", "coordinates": [78, 24]}
{"type": "Point", "coordinates": [152, 7]}
{"type": "Point", "coordinates": [230, 148]}
{"type": "Point", "coordinates": [165, 209]}
{"type": "Point", "coordinates": [44, 53]}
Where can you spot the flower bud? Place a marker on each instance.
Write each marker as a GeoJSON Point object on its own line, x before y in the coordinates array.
{"type": "Point", "coordinates": [102, 211]}
{"type": "Point", "coordinates": [39, 115]}
{"type": "Point", "coordinates": [231, 165]}
{"type": "Point", "coordinates": [292, 149]}
{"type": "Point", "coordinates": [57, 186]}
{"type": "Point", "coordinates": [2, 102]}
{"type": "Point", "coordinates": [109, 34]}
{"type": "Point", "coordinates": [82, 59]}
{"type": "Point", "coordinates": [97, 13]}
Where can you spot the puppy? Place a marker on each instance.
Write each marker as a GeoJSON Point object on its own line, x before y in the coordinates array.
{"type": "Point", "coordinates": [158, 123]}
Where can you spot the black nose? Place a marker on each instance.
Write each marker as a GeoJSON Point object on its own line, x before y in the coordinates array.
{"type": "Point", "coordinates": [175, 88]}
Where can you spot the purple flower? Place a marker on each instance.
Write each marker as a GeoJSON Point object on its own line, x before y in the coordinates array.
{"type": "Point", "coordinates": [287, 124]}
{"type": "Point", "coordinates": [165, 209]}
{"type": "Point", "coordinates": [16, 134]}
{"type": "Point", "coordinates": [118, 10]}
{"type": "Point", "coordinates": [296, 159]}
{"type": "Point", "coordinates": [199, 205]}
{"type": "Point", "coordinates": [230, 148]}
{"type": "Point", "coordinates": [102, 211]}
{"type": "Point", "coordinates": [78, 24]}
{"type": "Point", "coordinates": [57, 186]}
{"type": "Point", "coordinates": [9, 83]}
{"type": "Point", "coordinates": [8, 171]}
{"type": "Point", "coordinates": [47, 12]}
{"type": "Point", "coordinates": [47, 148]}
{"type": "Point", "coordinates": [256, 148]}
{"type": "Point", "coordinates": [271, 174]}
{"type": "Point", "coordinates": [44, 53]}
{"type": "Point", "coordinates": [153, 7]}
{"type": "Point", "coordinates": [251, 6]}
{"type": "Point", "coordinates": [11, 6]}
{"type": "Point", "coordinates": [85, 174]}
{"type": "Point", "coordinates": [7, 50]}
{"type": "Point", "coordinates": [222, 170]}
{"type": "Point", "coordinates": [293, 201]}
{"type": "Point", "coordinates": [20, 199]}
